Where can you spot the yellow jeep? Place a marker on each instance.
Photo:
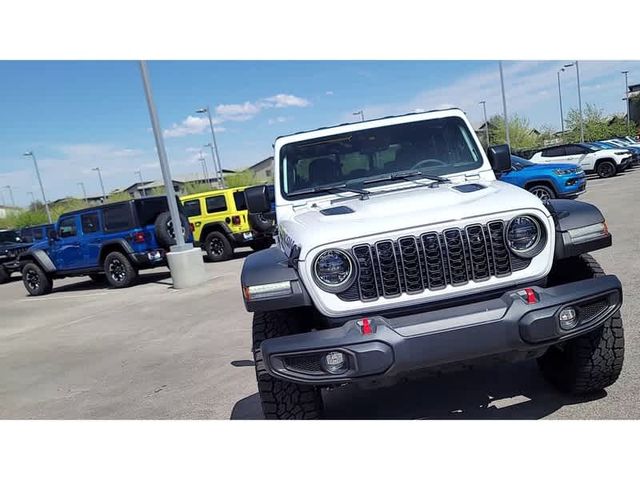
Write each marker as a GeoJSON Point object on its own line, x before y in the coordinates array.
{"type": "Point", "coordinates": [219, 220]}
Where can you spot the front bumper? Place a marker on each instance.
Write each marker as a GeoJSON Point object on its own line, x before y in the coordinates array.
{"type": "Point", "coordinates": [573, 187]}
{"type": "Point", "coordinates": [401, 344]}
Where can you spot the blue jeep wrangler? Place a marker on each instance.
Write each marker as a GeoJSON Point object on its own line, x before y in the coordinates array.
{"type": "Point", "coordinates": [112, 241]}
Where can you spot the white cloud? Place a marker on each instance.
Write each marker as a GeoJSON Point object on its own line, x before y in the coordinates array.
{"type": "Point", "coordinates": [273, 121]}
{"type": "Point", "coordinates": [283, 100]}
{"type": "Point", "coordinates": [329, 92]}
{"type": "Point", "coordinates": [238, 112]}
{"type": "Point", "coordinates": [192, 126]}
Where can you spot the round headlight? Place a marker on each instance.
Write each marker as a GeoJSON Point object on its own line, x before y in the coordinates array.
{"type": "Point", "coordinates": [524, 236]}
{"type": "Point", "coordinates": [334, 270]}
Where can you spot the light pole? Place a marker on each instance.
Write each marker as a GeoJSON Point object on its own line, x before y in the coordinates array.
{"type": "Point", "coordinates": [361, 113]}
{"type": "Point", "coordinates": [8, 187]}
{"type": "Point", "coordinates": [486, 124]}
{"type": "Point", "coordinates": [579, 97]}
{"type": "Point", "coordinates": [214, 146]}
{"type": "Point", "coordinates": [626, 94]}
{"type": "Point", "coordinates": [218, 172]}
{"type": "Point", "coordinates": [44, 198]}
{"type": "Point", "coordinates": [205, 170]}
{"type": "Point", "coordinates": [84, 192]}
{"type": "Point", "coordinates": [104, 195]}
{"type": "Point", "coordinates": [504, 107]}
{"type": "Point", "coordinates": [139, 173]}
{"type": "Point", "coordinates": [560, 98]}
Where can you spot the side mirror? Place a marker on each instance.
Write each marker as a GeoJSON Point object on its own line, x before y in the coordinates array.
{"type": "Point", "coordinates": [257, 199]}
{"type": "Point", "coordinates": [52, 235]}
{"type": "Point", "coordinates": [500, 158]}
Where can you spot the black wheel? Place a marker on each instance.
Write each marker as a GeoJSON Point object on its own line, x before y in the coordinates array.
{"type": "Point", "coordinates": [593, 361]}
{"type": "Point", "coordinates": [165, 233]}
{"type": "Point", "coordinates": [119, 271]}
{"type": "Point", "coordinates": [4, 275]}
{"type": "Point", "coordinates": [543, 192]}
{"type": "Point", "coordinates": [36, 280]}
{"type": "Point", "coordinates": [281, 400]}
{"type": "Point", "coordinates": [606, 169]}
{"type": "Point", "coordinates": [261, 244]}
{"type": "Point", "coordinates": [98, 277]}
{"type": "Point", "coordinates": [217, 247]}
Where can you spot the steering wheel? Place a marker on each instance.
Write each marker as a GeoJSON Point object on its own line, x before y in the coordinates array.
{"type": "Point", "coordinates": [423, 163]}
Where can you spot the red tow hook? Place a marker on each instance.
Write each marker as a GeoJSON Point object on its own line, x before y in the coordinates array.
{"type": "Point", "coordinates": [365, 326]}
{"type": "Point", "coordinates": [528, 295]}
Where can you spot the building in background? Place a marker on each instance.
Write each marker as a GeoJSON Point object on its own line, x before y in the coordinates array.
{"type": "Point", "coordinates": [6, 210]}
{"type": "Point", "coordinates": [634, 103]}
{"type": "Point", "coordinates": [263, 170]}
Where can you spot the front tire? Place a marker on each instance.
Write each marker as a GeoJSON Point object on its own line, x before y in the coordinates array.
{"type": "Point", "coordinates": [282, 400]}
{"type": "Point", "coordinates": [35, 280]}
{"type": "Point", "coordinates": [119, 270]}
{"type": "Point", "coordinates": [606, 169]}
{"type": "Point", "coordinates": [217, 247]}
{"type": "Point", "coordinates": [593, 361]}
{"type": "Point", "coordinates": [543, 192]}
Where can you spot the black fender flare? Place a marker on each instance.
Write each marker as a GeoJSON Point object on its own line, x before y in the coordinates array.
{"type": "Point", "coordinates": [214, 227]}
{"type": "Point", "coordinates": [41, 258]}
{"type": "Point", "coordinates": [272, 266]}
{"type": "Point", "coordinates": [109, 244]}
{"type": "Point", "coordinates": [570, 215]}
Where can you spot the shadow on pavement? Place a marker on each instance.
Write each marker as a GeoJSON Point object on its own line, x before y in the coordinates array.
{"type": "Point", "coordinates": [512, 391]}
{"type": "Point", "coordinates": [88, 284]}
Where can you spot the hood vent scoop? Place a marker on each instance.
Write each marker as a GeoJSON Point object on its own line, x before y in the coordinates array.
{"type": "Point", "coordinates": [341, 210]}
{"type": "Point", "coordinates": [469, 187]}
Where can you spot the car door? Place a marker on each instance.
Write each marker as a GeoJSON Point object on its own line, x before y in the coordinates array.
{"type": "Point", "coordinates": [193, 211]}
{"type": "Point", "coordinates": [91, 238]}
{"type": "Point", "coordinates": [553, 155]}
{"type": "Point", "coordinates": [66, 249]}
{"type": "Point", "coordinates": [577, 155]}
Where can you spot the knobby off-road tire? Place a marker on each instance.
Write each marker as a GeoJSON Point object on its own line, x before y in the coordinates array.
{"type": "Point", "coordinates": [593, 361]}
{"type": "Point", "coordinates": [119, 270]}
{"type": "Point", "coordinates": [35, 280]}
{"type": "Point", "coordinates": [280, 399]}
{"type": "Point", "coordinates": [217, 247]}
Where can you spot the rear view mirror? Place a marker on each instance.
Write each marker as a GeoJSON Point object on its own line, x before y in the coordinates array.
{"type": "Point", "coordinates": [500, 158]}
{"type": "Point", "coordinates": [257, 199]}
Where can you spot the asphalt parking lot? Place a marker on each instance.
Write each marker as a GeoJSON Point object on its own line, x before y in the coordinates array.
{"type": "Point", "coordinates": [151, 352]}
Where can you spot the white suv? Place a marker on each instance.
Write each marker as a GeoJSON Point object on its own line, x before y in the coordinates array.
{"type": "Point", "coordinates": [606, 163]}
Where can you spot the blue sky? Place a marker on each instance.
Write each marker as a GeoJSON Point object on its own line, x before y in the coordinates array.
{"type": "Point", "coordinates": [81, 114]}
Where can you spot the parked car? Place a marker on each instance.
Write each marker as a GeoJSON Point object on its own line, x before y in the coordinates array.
{"type": "Point", "coordinates": [112, 241]}
{"type": "Point", "coordinates": [607, 145]}
{"type": "Point", "coordinates": [605, 163]}
{"type": "Point", "coordinates": [36, 233]}
{"type": "Point", "coordinates": [399, 253]}
{"type": "Point", "coordinates": [548, 180]}
{"type": "Point", "coordinates": [220, 223]}
{"type": "Point", "coordinates": [11, 246]}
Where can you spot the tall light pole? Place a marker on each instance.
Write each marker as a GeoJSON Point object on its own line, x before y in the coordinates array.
{"type": "Point", "coordinates": [560, 98]}
{"type": "Point", "coordinates": [44, 198]}
{"type": "Point", "coordinates": [214, 149]}
{"type": "Point", "coordinates": [361, 113]}
{"type": "Point", "coordinates": [575, 64]}
{"type": "Point", "coordinates": [181, 245]}
{"type": "Point", "coordinates": [139, 173]}
{"type": "Point", "coordinates": [504, 107]}
{"type": "Point", "coordinates": [626, 95]}
{"type": "Point", "coordinates": [218, 171]}
{"type": "Point", "coordinates": [205, 170]}
{"type": "Point", "coordinates": [8, 187]}
{"type": "Point", "coordinates": [104, 195]}
{"type": "Point", "coordinates": [486, 123]}
{"type": "Point", "coordinates": [84, 192]}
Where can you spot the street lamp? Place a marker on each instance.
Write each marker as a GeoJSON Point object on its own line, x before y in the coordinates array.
{"type": "Point", "coordinates": [84, 192]}
{"type": "Point", "coordinates": [104, 195]}
{"type": "Point", "coordinates": [626, 94]}
{"type": "Point", "coordinates": [214, 146]}
{"type": "Point", "coordinates": [579, 97]}
{"type": "Point", "coordinates": [139, 173]}
{"type": "Point", "coordinates": [218, 172]}
{"type": "Point", "coordinates": [504, 107]}
{"type": "Point", "coordinates": [8, 187]}
{"type": "Point", "coordinates": [205, 170]}
{"type": "Point", "coordinates": [560, 98]}
{"type": "Point", "coordinates": [486, 124]}
{"type": "Point", "coordinates": [44, 198]}
{"type": "Point", "coordinates": [361, 113]}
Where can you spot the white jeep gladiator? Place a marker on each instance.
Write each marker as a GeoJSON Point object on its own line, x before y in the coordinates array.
{"type": "Point", "coordinates": [399, 253]}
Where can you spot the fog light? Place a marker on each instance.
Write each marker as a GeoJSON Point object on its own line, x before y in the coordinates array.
{"type": "Point", "coordinates": [334, 362]}
{"type": "Point", "coordinates": [568, 318]}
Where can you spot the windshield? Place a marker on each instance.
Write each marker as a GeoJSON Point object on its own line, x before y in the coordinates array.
{"type": "Point", "coordinates": [10, 236]}
{"type": "Point", "coordinates": [434, 147]}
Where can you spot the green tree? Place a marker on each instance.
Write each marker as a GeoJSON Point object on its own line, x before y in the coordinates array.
{"type": "Point", "coordinates": [596, 124]}
{"type": "Point", "coordinates": [521, 134]}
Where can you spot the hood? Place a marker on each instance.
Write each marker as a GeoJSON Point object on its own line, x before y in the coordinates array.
{"type": "Point", "coordinates": [549, 166]}
{"type": "Point", "coordinates": [409, 208]}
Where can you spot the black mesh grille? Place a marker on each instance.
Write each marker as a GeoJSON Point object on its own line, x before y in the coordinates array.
{"type": "Point", "coordinates": [304, 363]}
{"type": "Point", "coordinates": [589, 311]}
{"type": "Point", "coordinates": [432, 261]}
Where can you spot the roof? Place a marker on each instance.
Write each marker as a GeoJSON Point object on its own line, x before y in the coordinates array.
{"type": "Point", "coordinates": [262, 163]}
{"type": "Point", "coordinates": [192, 196]}
{"type": "Point", "coordinates": [9, 207]}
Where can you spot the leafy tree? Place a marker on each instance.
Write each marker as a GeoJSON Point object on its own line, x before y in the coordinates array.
{"type": "Point", "coordinates": [521, 134]}
{"type": "Point", "coordinates": [597, 126]}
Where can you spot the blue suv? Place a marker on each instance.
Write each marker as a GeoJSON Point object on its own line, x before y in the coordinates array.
{"type": "Point", "coordinates": [112, 241]}
{"type": "Point", "coordinates": [546, 181]}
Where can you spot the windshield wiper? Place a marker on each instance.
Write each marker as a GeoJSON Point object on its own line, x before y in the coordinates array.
{"type": "Point", "coordinates": [364, 194]}
{"type": "Point", "coordinates": [404, 175]}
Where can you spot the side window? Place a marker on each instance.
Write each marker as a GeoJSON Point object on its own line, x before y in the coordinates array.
{"type": "Point", "coordinates": [67, 227]}
{"type": "Point", "coordinates": [27, 236]}
{"type": "Point", "coordinates": [240, 200]}
{"type": "Point", "coordinates": [192, 208]}
{"type": "Point", "coordinates": [90, 223]}
{"type": "Point", "coordinates": [575, 150]}
{"type": "Point", "coordinates": [117, 218]}
{"type": "Point", "coordinates": [554, 152]}
{"type": "Point", "coordinates": [38, 234]}
{"type": "Point", "coordinates": [216, 204]}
